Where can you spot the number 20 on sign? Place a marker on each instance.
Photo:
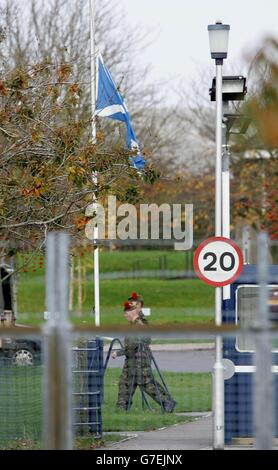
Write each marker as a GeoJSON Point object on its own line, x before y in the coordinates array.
{"type": "Point", "coordinates": [218, 261]}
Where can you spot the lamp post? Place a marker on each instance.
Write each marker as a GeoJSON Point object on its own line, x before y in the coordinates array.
{"type": "Point", "coordinates": [218, 38]}
{"type": "Point", "coordinates": [233, 89]}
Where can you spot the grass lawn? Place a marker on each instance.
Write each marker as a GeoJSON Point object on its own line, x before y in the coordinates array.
{"type": "Point", "coordinates": [144, 260]}
{"type": "Point", "coordinates": [188, 300]}
{"type": "Point", "coordinates": [21, 406]}
{"type": "Point", "coordinates": [80, 443]}
{"type": "Point", "coordinates": [125, 261]}
{"type": "Point", "coordinates": [192, 392]}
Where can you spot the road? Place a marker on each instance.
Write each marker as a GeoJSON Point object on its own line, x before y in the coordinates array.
{"type": "Point", "coordinates": [178, 361]}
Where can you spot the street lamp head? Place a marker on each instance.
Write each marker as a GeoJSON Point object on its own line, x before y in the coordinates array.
{"type": "Point", "coordinates": [218, 40]}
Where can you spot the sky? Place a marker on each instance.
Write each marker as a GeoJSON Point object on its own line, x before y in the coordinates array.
{"type": "Point", "coordinates": [181, 48]}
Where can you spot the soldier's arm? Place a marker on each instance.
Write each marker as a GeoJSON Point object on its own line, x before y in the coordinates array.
{"type": "Point", "coordinates": [147, 340]}
{"type": "Point", "coordinates": [123, 351]}
{"type": "Point", "coordinates": [120, 352]}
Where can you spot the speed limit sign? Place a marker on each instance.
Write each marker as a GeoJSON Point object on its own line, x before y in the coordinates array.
{"type": "Point", "coordinates": [218, 261]}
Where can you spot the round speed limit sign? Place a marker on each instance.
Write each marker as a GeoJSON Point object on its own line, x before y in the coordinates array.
{"type": "Point", "coordinates": [218, 261]}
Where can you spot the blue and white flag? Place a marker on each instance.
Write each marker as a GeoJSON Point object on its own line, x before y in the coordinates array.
{"type": "Point", "coordinates": [110, 104]}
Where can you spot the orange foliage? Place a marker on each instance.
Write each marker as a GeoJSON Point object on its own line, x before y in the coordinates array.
{"type": "Point", "coordinates": [3, 89]}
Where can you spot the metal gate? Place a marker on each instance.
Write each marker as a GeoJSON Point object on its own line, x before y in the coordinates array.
{"type": "Point", "coordinates": [88, 387]}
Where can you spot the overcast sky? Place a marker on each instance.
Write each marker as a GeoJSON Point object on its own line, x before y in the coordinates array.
{"type": "Point", "coordinates": [181, 38]}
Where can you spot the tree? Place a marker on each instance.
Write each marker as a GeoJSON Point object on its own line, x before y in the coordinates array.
{"type": "Point", "coordinates": [52, 31]}
{"type": "Point", "coordinates": [253, 165]}
{"type": "Point", "coordinates": [47, 157]}
{"type": "Point", "coordinates": [187, 187]}
{"type": "Point", "coordinates": [256, 175]}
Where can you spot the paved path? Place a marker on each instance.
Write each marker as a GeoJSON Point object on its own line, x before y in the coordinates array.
{"type": "Point", "coordinates": [185, 361]}
{"type": "Point", "coordinates": [178, 360]}
{"type": "Point", "coordinates": [194, 435]}
{"type": "Point", "coordinates": [176, 346]}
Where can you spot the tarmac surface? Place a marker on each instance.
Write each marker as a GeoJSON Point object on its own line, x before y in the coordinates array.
{"type": "Point", "coordinates": [189, 436]}
{"type": "Point", "coordinates": [189, 357]}
{"type": "Point", "coordinates": [196, 435]}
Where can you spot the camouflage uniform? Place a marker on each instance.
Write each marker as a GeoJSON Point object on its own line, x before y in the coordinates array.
{"type": "Point", "coordinates": [137, 371]}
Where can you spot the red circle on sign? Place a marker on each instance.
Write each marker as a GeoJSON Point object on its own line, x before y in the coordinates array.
{"type": "Point", "coordinates": [202, 276]}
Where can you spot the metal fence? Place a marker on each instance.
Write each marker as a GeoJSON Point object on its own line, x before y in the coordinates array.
{"type": "Point", "coordinates": [92, 415]}
{"type": "Point", "coordinates": [67, 394]}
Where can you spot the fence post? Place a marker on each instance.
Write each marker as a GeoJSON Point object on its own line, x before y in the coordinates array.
{"type": "Point", "coordinates": [58, 433]}
{"type": "Point", "coordinates": [263, 390]}
{"type": "Point", "coordinates": [95, 385]}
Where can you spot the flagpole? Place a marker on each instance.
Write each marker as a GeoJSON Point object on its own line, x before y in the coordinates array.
{"type": "Point", "coordinates": [94, 138]}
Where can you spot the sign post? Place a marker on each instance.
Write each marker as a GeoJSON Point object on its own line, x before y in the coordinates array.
{"type": "Point", "coordinates": [218, 261]}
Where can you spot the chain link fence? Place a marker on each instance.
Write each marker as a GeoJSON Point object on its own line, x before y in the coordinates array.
{"type": "Point", "coordinates": [61, 387]}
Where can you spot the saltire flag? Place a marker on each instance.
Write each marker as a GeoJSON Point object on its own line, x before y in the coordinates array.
{"type": "Point", "coordinates": [110, 104]}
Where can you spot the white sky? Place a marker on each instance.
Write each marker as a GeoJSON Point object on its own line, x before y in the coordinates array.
{"type": "Point", "coordinates": [181, 39]}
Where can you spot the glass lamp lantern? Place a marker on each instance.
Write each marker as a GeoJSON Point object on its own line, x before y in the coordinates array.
{"type": "Point", "coordinates": [218, 40]}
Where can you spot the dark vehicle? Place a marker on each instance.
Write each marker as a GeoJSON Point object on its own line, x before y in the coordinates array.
{"type": "Point", "coordinates": [7, 315]}
{"type": "Point", "coordinates": [20, 351]}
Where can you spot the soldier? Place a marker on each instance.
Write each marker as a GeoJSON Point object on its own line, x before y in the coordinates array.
{"type": "Point", "coordinates": [137, 370]}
